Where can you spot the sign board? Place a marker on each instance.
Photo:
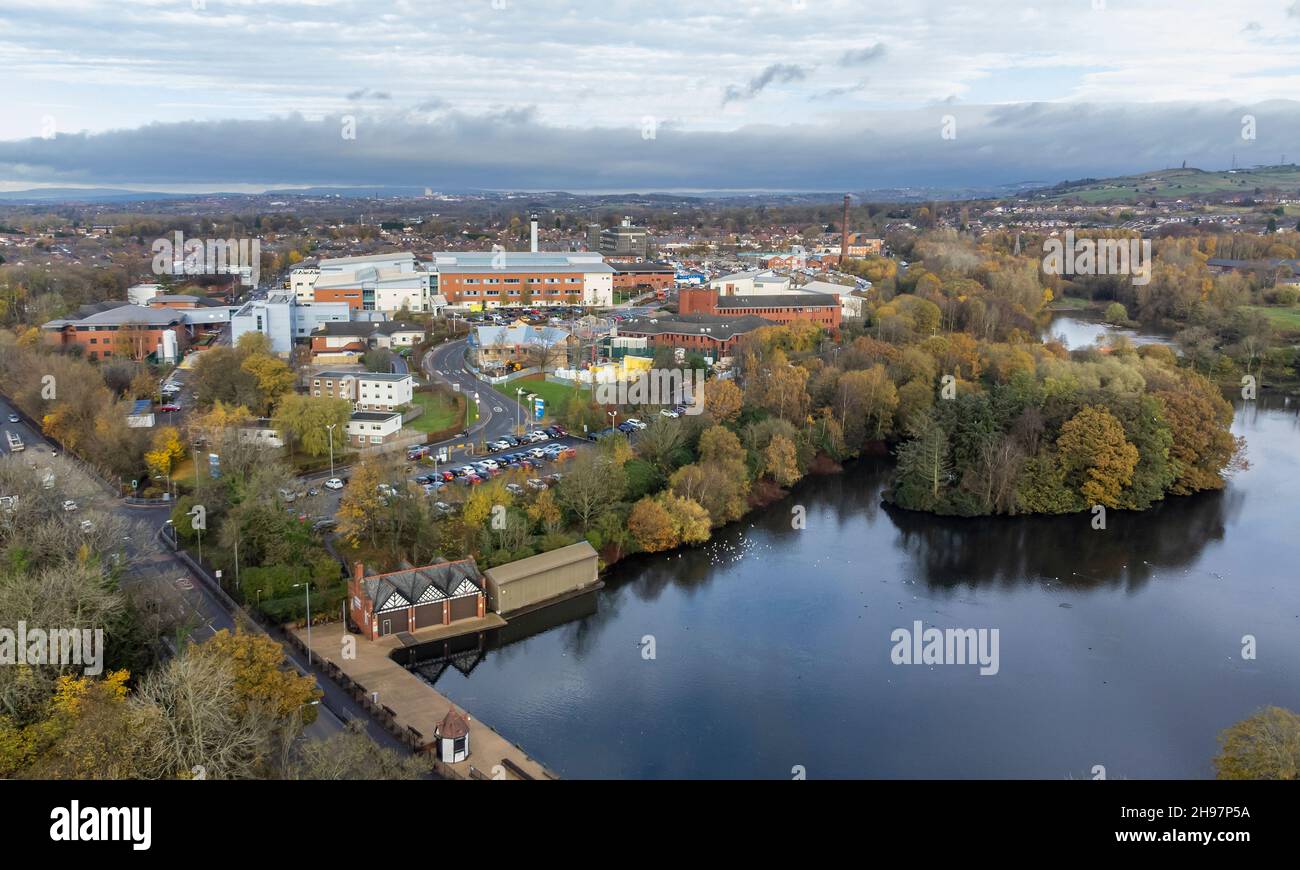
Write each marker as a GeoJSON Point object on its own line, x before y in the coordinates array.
{"type": "Point", "coordinates": [539, 407]}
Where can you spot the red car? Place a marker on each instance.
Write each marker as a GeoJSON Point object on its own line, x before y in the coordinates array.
{"type": "Point", "coordinates": [169, 407]}
{"type": "Point", "coordinates": [448, 476]}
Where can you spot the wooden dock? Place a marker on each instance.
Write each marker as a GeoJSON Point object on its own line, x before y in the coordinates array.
{"type": "Point", "coordinates": [414, 707]}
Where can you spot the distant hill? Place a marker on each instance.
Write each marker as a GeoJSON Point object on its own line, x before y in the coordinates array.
{"type": "Point", "coordinates": [1168, 184]}
{"type": "Point", "coordinates": [85, 194]}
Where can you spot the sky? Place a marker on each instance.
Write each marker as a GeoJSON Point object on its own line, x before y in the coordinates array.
{"type": "Point", "coordinates": [647, 95]}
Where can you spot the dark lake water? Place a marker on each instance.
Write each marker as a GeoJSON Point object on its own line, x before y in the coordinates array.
{"type": "Point", "coordinates": [1119, 648]}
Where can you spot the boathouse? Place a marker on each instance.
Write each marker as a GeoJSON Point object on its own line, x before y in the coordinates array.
{"type": "Point", "coordinates": [439, 594]}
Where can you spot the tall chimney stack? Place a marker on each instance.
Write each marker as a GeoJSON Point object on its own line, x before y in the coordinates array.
{"type": "Point", "coordinates": [844, 231]}
{"type": "Point", "coordinates": [532, 221]}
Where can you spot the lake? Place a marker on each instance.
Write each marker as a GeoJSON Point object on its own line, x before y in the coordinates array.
{"type": "Point", "coordinates": [1078, 331]}
{"type": "Point", "coordinates": [772, 645]}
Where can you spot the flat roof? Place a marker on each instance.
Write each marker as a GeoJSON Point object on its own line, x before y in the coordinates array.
{"type": "Point", "coordinates": [365, 376]}
{"type": "Point", "coordinates": [372, 416]}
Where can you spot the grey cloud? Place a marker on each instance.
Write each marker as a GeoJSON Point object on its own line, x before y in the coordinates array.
{"type": "Point", "coordinates": [779, 73]}
{"type": "Point", "coordinates": [860, 56]}
{"type": "Point", "coordinates": [512, 149]}
{"type": "Point", "coordinates": [843, 91]}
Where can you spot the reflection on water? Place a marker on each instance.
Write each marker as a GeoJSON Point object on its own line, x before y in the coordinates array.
{"type": "Point", "coordinates": [1076, 331]}
{"type": "Point", "coordinates": [1119, 647]}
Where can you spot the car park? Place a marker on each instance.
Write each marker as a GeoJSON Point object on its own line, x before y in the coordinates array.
{"type": "Point", "coordinates": [333, 483]}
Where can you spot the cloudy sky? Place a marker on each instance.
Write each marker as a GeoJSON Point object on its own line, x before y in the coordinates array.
{"type": "Point", "coordinates": [646, 95]}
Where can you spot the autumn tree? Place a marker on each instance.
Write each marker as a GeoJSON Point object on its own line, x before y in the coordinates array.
{"type": "Point", "coordinates": [1264, 746]}
{"type": "Point", "coordinates": [652, 526]}
{"type": "Point", "coordinates": [1096, 456]}
{"type": "Point", "coordinates": [781, 461]}
{"type": "Point", "coordinates": [723, 400]}
{"type": "Point", "coordinates": [167, 450]}
{"type": "Point", "coordinates": [304, 421]}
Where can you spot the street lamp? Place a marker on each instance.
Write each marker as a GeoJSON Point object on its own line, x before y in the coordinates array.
{"type": "Point", "coordinates": [307, 588]}
{"type": "Point", "coordinates": [519, 408]}
{"type": "Point", "coordinates": [329, 427]}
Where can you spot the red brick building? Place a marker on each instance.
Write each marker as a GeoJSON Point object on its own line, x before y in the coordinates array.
{"type": "Point", "coordinates": [782, 308]}
{"type": "Point", "coordinates": [709, 334]}
{"type": "Point", "coordinates": [651, 276]}
{"type": "Point", "coordinates": [414, 598]}
{"type": "Point", "coordinates": [108, 331]}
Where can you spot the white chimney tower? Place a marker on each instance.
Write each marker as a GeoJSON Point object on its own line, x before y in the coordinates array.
{"type": "Point", "coordinates": [532, 221]}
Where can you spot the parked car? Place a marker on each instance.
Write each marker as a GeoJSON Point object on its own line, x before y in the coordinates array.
{"type": "Point", "coordinates": [448, 476]}
{"type": "Point", "coordinates": [87, 526]}
{"type": "Point", "coordinates": [13, 418]}
{"type": "Point", "coordinates": [537, 453]}
{"type": "Point", "coordinates": [555, 478]}
{"type": "Point", "coordinates": [669, 412]}
{"type": "Point", "coordinates": [170, 406]}
{"type": "Point", "coordinates": [636, 424]}
{"type": "Point", "coordinates": [333, 483]}
{"type": "Point", "coordinates": [514, 489]}
{"type": "Point", "coordinates": [537, 484]}
{"type": "Point", "coordinates": [490, 463]}
{"type": "Point", "coordinates": [499, 445]}
{"type": "Point", "coordinates": [69, 505]}
{"type": "Point", "coordinates": [443, 509]}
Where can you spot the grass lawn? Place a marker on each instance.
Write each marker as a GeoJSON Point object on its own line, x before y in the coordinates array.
{"type": "Point", "coordinates": [440, 412]}
{"type": "Point", "coordinates": [555, 395]}
{"type": "Point", "coordinates": [1069, 303]}
{"type": "Point", "coordinates": [1283, 318]}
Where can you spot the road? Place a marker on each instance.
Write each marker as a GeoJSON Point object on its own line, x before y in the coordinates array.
{"type": "Point", "coordinates": [169, 581]}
